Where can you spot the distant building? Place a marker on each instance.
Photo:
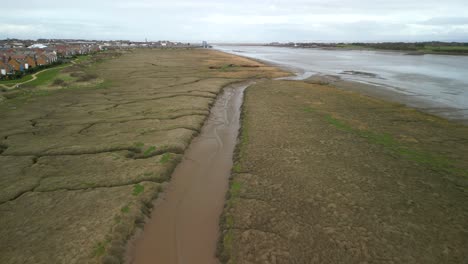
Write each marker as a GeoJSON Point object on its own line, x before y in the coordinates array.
{"type": "Point", "coordinates": [5, 68]}
{"type": "Point", "coordinates": [205, 44]}
{"type": "Point", "coordinates": [16, 64]}
{"type": "Point", "coordinates": [37, 46]}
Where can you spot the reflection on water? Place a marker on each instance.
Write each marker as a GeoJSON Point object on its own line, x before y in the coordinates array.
{"type": "Point", "coordinates": [440, 81]}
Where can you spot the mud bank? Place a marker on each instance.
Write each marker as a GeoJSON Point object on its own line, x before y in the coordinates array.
{"type": "Point", "coordinates": [183, 227]}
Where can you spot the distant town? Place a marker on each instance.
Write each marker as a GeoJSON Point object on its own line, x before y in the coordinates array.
{"type": "Point", "coordinates": [19, 57]}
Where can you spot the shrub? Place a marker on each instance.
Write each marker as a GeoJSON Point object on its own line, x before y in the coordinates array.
{"type": "Point", "coordinates": [58, 82]}
{"type": "Point", "coordinates": [76, 74]}
{"type": "Point", "coordinates": [87, 77]}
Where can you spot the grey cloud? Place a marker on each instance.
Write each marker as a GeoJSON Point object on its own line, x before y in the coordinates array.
{"type": "Point", "coordinates": [446, 21]}
{"type": "Point", "coordinates": [242, 20]}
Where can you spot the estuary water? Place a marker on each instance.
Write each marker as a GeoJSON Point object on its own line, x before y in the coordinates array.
{"type": "Point", "coordinates": [436, 83]}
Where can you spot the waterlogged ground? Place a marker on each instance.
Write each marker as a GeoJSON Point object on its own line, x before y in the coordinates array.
{"type": "Point", "coordinates": [329, 176]}
{"type": "Point", "coordinates": [80, 166]}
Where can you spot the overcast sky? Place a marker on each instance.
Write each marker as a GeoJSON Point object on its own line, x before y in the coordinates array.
{"type": "Point", "coordinates": [237, 20]}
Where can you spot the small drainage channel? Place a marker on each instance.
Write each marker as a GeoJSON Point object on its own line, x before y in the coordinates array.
{"type": "Point", "coordinates": [184, 223]}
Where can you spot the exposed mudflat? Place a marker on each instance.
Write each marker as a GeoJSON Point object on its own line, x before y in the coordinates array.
{"type": "Point", "coordinates": [331, 176]}
{"type": "Point", "coordinates": [80, 167]}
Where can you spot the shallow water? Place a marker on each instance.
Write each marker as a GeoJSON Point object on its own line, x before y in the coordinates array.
{"type": "Point", "coordinates": [432, 81]}
{"type": "Point", "coordinates": [183, 227]}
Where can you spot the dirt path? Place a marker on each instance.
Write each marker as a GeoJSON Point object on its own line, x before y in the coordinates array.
{"type": "Point", "coordinates": [34, 76]}
{"type": "Point", "coordinates": [79, 168]}
{"type": "Point", "coordinates": [329, 176]}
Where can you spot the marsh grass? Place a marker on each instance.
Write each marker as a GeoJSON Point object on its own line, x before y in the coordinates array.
{"type": "Point", "coordinates": [165, 158]}
{"type": "Point", "coordinates": [87, 77]}
{"type": "Point", "coordinates": [225, 250]}
{"type": "Point", "coordinates": [103, 84]}
{"type": "Point", "coordinates": [227, 244]}
{"type": "Point", "coordinates": [236, 168]}
{"type": "Point", "coordinates": [138, 189]}
{"type": "Point", "coordinates": [58, 82]}
{"type": "Point", "coordinates": [435, 161]}
{"type": "Point", "coordinates": [139, 145]}
{"type": "Point", "coordinates": [125, 209]}
{"type": "Point", "coordinates": [235, 188]}
{"type": "Point", "coordinates": [308, 109]}
{"type": "Point", "coordinates": [149, 151]}
{"type": "Point", "coordinates": [227, 67]}
{"type": "Point", "coordinates": [100, 248]}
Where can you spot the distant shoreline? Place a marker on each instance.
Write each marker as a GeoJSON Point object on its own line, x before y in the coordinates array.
{"type": "Point", "coordinates": [404, 51]}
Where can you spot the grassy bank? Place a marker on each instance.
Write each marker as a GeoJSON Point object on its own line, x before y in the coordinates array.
{"type": "Point", "coordinates": [13, 82]}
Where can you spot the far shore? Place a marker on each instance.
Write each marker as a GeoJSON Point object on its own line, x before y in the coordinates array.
{"type": "Point", "coordinates": [381, 92]}
{"type": "Point", "coordinates": [405, 51]}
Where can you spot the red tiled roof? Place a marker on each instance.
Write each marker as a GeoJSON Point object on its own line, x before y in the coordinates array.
{"type": "Point", "coordinates": [18, 57]}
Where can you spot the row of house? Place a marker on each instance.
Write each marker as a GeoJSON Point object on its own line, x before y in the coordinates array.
{"type": "Point", "coordinates": [19, 56]}
{"type": "Point", "coordinates": [14, 61]}
{"type": "Point", "coordinates": [65, 51]}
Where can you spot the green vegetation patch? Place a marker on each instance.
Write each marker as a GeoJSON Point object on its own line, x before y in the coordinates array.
{"type": "Point", "coordinates": [235, 188]}
{"type": "Point", "coordinates": [448, 49]}
{"type": "Point", "coordinates": [100, 248]}
{"type": "Point", "coordinates": [104, 84]}
{"type": "Point", "coordinates": [82, 58]}
{"type": "Point", "coordinates": [436, 162]}
{"type": "Point", "coordinates": [227, 243]}
{"type": "Point", "coordinates": [228, 223]}
{"type": "Point", "coordinates": [13, 82]}
{"type": "Point", "coordinates": [138, 189]}
{"type": "Point", "coordinates": [45, 77]}
{"type": "Point", "coordinates": [455, 48]}
{"type": "Point", "coordinates": [149, 151]}
{"type": "Point", "coordinates": [243, 141]}
{"type": "Point", "coordinates": [227, 67]}
{"type": "Point", "coordinates": [237, 168]}
{"type": "Point", "coordinates": [308, 109]}
{"type": "Point", "coordinates": [125, 209]}
{"type": "Point", "coordinates": [165, 158]}
{"type": "Point", "coordinates": [338, 124]}
{"type": "Point", "coordinates": [139, 145]}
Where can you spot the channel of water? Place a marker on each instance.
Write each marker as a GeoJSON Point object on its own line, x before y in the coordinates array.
{"type": "Point", "coordinates": [184, 223]}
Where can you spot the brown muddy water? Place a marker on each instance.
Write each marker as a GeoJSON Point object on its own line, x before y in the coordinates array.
{"type": "Point", "coordinates": [184, 223]}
